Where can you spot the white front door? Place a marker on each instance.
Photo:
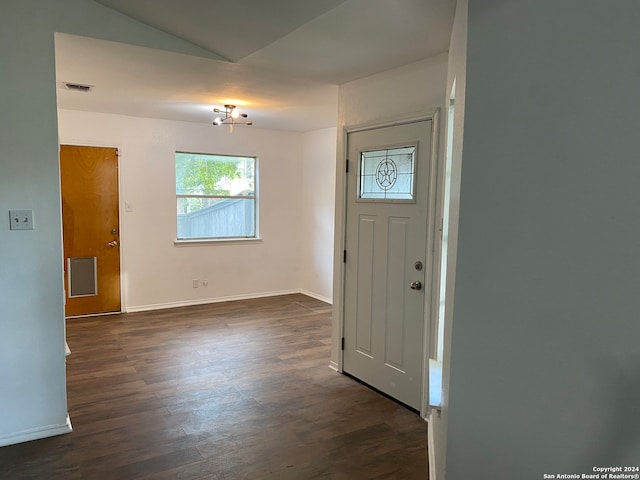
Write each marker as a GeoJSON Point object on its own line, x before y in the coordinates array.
{"type": "Point", "coordinates": [386, 258]}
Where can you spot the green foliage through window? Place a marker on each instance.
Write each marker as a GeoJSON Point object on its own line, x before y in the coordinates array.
{"type": "Point", "coordinates": [215, 196]}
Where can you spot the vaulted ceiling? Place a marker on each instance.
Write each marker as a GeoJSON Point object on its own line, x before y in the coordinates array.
{"type": "Point", "coordinates": [281, 60]}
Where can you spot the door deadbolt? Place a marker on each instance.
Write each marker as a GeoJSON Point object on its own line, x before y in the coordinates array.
{"type": "Point", "coordinates": [418, 265]}
{"type": "Point", "coordinates": [416, 285]}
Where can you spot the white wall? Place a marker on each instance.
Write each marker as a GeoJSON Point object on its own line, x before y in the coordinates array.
{"type": "Point", "coordinates": [296, 199]}
{"type": "Point", "coordinates": [158, 273]}
{"type": "Point", "coordinates": [456, 73]}
{"type": "Point", "coordinates": [545, 364]}
{"type": "Point", "coordinates": [32, 366]}
{"type": "Point", "coordinates": [413, 90]}
{"type": "Point", "coordinates": [318, 205]}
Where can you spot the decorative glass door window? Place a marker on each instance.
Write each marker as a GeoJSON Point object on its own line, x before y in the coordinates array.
{"type": "Point", "coordinates": [388, 174]}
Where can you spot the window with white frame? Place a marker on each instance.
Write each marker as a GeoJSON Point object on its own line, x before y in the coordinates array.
{"type": "Point", "coordinates": [215, 196]}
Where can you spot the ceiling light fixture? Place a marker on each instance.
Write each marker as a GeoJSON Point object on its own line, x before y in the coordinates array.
{"type": "Point", "coordinates": [230, 116]}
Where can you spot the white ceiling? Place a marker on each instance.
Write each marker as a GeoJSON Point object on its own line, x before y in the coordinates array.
{"type": "Point", "coordinates": [286, 57]}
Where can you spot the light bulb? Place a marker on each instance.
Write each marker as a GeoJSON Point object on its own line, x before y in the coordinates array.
{"type": "Point", "coordinates": [217, 121]}
{"type": "Point", "coordinates": [235, 113]}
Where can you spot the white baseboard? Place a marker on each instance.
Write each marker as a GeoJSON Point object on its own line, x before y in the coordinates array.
{"type": "Point", "coordinates": [333, 366]}
{"type": "Point", "coordinates": [36, 433]}
{"type": "Point", "coordinates": [205, 301]}
{"type": "Point", "coordinates": [316, 296]}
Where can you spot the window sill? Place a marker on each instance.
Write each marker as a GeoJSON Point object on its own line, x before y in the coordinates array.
{"type": "Point", "coordinates": [215, 241]}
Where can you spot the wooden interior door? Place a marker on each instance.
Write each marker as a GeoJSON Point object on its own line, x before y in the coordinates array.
{"type": "Point", "coordinates": [91, 231]}
{"type": "Point", "coordinates": [386, 258]}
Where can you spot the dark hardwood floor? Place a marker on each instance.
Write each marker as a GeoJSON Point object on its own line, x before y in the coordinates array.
{"type": "Point", "coordinates": [238, 390]}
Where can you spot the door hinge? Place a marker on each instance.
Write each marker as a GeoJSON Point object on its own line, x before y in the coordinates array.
{"type": "Point", "coordinates": [342, 343]}
{"type": "Point", "coordinates": [344, 256]}
{"type": "Point", "coordinates": [347, 167]}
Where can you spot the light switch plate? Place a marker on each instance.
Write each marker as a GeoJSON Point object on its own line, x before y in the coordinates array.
{"type": "Point", "coordinates": [21, 219]}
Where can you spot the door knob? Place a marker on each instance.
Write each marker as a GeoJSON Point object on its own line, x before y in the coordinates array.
{"type": "Point", "coordinates": [416, 285]}
{"type": "Point", "coordinates": [114, 243]}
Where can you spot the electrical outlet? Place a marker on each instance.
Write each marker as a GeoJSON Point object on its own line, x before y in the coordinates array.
{"type": "Point", "coordinates": [21, 219]}
{"type": "Point", "coordinates": [196, 283]}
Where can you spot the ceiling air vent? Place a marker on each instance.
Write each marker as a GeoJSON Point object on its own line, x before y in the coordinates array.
{"type": "Point", "coordinates": [78, 87]}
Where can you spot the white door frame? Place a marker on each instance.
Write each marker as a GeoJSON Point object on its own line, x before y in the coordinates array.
{"type": "Point", "coordinates": [433, 242]}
